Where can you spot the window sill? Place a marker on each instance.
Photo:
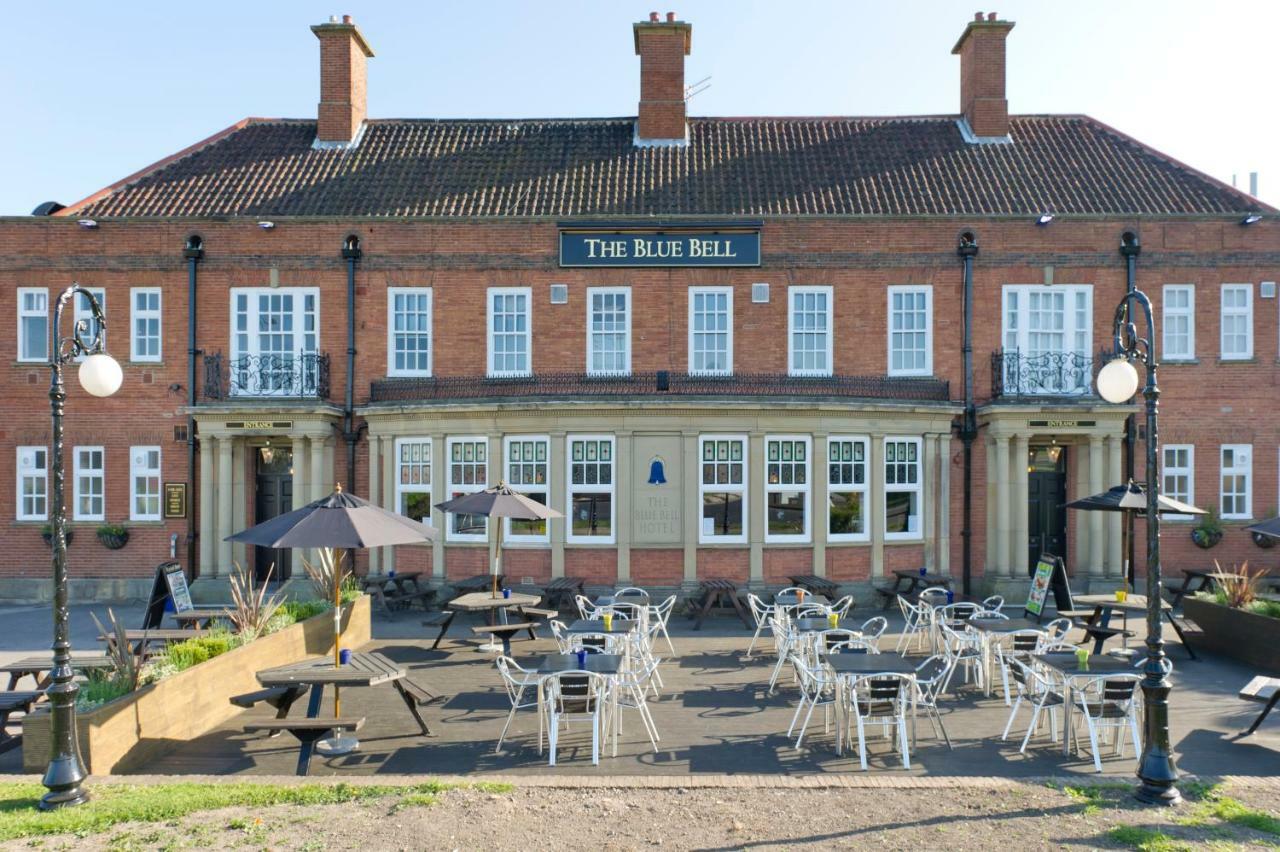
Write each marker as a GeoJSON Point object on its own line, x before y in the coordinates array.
{"type": "Point", "coordinates": [848, 542]}
{"type": "Point", "coordinates": [143, 365]}
{"type": "Point", "coordinates": [1227, 361]}
{"type": "Point", "coordinates": [788, 542]}
{"type": "Point", "coordinates": [591, 544]}
{"type": "Point", "coordinates": [730, 543]}
{"type": "Point", "coordinates": [912, 539]}
{"type": "Point", "coordinates": [1179, 362]}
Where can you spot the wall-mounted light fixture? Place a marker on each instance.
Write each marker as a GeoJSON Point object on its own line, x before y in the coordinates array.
{"type": "Point", "coordinates": [1251, 218]}
{"type": "Point", "coordinates": [1044, 219]}
{"type": "Point", "coordinates": [88, 224]}
{"type": "Point", "coordinates": [266, 225]}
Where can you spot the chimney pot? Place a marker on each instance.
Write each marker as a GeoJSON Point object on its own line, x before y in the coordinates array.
{"type": "Point", "coordinates": [346, 19]}
{"type": "Point", "coordinates": [671, 17]}
{"type": "Point", "coordinates": [343, 58]}
{"type": "Point", "coordinates": [653, 17]}
{"type": "Point", "coordinates": [977, 16]}
{"type": "Point", "coordinates": [991, 16]}
{"type": "Point", "coordinates": [662, 47]}
{"type": "Point", "coordinates": [982, 76]}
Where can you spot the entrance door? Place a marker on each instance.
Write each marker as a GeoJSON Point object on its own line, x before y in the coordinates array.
{"type": "Point", "coordinates": [273, 496]}
{"type": "Point", "coordinates": [1046, 494]}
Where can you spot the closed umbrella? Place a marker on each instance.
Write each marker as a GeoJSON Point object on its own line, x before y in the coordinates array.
{"type": "Point", "coordinates": [1131, 497]}
{"type": "Point", "coordinates": [340, 521]}
{"type": "Point", "coordinates": [500, 501]}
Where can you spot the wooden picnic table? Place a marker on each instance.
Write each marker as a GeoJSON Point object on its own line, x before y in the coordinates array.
{"type": "Point", "coordinates": [814, 583]}
{"type": "Point", "coordinates": [11, 702]}
{"type": "Point", "coordinates": [1205, 579]}
{"type": "Point", "coordinates": [711, 591]}
{"type": "Point", "coordinates": [791, 599]}
{"type": "Point", "coordinates": [476, 583]}
{"type": "Point", "coordinates": [496, 609]}
{"type": "Point", "coordinates": [38, 667]}
{"type": "Point", "coordinates": [399, 587]}
{"type": "Point", "coordinates": [1105, 605]}
{"type": "Point", "coordinates": [199, 618]}
{"type": "Point", "coordinates": [561, 591]}
{"type": "Point", "coordinates": [908, 582]}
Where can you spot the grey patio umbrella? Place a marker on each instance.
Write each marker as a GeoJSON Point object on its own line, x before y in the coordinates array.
{"type": "Point", "coordinates": [1270, 528]}
{"type": "Point", "coordinates": [1131, 497]}
{"type": "Point", "coordinates": [500, 501]}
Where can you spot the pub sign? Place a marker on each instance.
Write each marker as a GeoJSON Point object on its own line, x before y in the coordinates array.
{"type": "Point", "coordinates": [660, 247]}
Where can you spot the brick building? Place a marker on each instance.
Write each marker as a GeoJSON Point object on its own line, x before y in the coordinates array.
{"type": "Point", "coordinates": [721, 346]}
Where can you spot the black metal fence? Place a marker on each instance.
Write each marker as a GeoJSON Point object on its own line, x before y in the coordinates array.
{"type": "Point", "coordinates": [304, 376]}
{"type": "Point", "coordinates": [658, 384]}
{"type": "Point", "coordinates": [1047, 374]}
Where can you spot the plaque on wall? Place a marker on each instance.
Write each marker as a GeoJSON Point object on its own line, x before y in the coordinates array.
{"type": "Point", "coordinates": [175, 499]}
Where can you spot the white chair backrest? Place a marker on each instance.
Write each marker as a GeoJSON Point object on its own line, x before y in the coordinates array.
{"type": "Point", "coordinates": [995, 602]}
{"type": "Point", "coordinates": [874, 628]}
{"type": "Point", "coordinates": [759, 609]}
{"type": "Point", "coordinates": [843, 605]}
{"type": "Point", "coordinates": [514, 678]}
{"type": "Point", "coordinates": [663, 610]}
{"type": "Point", "coordinates": [794, 590]}
{"type": "Point", "coordinates": [935, 596]}
{"type": "Point", "coordinates": [565, 688]}
{"type": "Point", "coordinates": [586, 609]}
{"type": "Point", "coordinates": [1058, 629]}
{"type": "Point", "coordinates": [855, 645]}
{"type": "Point", "coordinates": [632, 591]}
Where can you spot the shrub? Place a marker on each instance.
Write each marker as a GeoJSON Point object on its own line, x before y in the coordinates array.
{"type": "Point", "coordinates": [251, 608]}
{"type": "Point", "coordinates": [1239, 591]}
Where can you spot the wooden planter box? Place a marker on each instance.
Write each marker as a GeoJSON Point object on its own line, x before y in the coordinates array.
{"type": "Point", "coordinates": [1247, 637]}
{"type": "Point", "coordinates": [161, 716]}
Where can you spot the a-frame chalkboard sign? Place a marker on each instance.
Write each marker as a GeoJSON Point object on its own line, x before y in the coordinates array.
{"type": "Point", "coordinates": [170, 584]}
{"type": "Point", "coordinates": [1049, 573]}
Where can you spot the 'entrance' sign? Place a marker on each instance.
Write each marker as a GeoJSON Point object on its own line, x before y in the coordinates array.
{"type": "Point", "coordinates": [660, 248]}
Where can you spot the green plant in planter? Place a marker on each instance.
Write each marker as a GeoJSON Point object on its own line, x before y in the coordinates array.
{"type": "Point", "coordinates": [113, 536]}
{"type": "Point", "coordinates": [1208, 532]}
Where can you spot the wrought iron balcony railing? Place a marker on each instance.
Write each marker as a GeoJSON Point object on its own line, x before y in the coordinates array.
{"type": "Point", "coordinates": [1015, 374]}
{"type": "Point", "coordinates": [293, 376]}
{"type": "Point", "coordinates": [657, 385]}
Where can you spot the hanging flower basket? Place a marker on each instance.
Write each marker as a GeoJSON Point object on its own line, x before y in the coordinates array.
{"type": "Point", "coordinates": [1206, 539]}
{"type": "Point", "coordinates": [1266, 542]}
{"type": "Point", "coordinates": [113, 536]}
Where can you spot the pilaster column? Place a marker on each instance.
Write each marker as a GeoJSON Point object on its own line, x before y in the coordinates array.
{"type": "Point", "coordinates": [1095, 518]}
{"type": "Point", "coordinates": [622, 492]}
{"type": "Point", "coordinates": [928, 460]}
{"type": "Point", "coordinates": [223, 525]}
{"type": "Point", "coordinates": [1079, 561]}
{"type": "Point", "coordinates": [558, 492]}
{"type": "Point", "coordinates": [301, 491]}
{"type": "Point", "coordinates": [439, 520]}
{"type": "Point", "coordinates": [375, 480]}
{"type": "Point", "coordinates": [692, 514]}
{"type": "Point", "coordinates": [821, 509]}
{"type": "Point", "coordinates": [1003, 520]}
{"type": "Point", "coordinates": [758, 506]}
{"type": "Point", "coordinates": [944, 503]}
{"type": "Point", "coordinates": [1021, 531]}
{"type": "Point", "coordinates": [875, 507]}
{"type": "Point", "coordinates": [208, 512]}
{"type": "Point", "coordinates": [317, 476]}
{"type": "Point", "coordinates": [990, 564]}
{"type": "Point", "coordinates": [1115, 476]}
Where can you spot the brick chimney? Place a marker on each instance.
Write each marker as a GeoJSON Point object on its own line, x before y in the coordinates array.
{"type": "Point", "coordinates": [343, 54]}
{"type": "Point", "coordinates": [662, 47]}
{"type": "Point", "coordinates": [982, 75]}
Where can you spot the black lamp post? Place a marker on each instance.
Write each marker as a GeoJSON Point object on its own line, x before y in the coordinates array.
{"type": "Point", "coordinates": [1117, 383]}
{"type": "Point", "coordinates": [99, 375]}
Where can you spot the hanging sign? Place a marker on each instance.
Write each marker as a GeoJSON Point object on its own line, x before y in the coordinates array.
{"type": "Point", "coordinates": [660, 248]}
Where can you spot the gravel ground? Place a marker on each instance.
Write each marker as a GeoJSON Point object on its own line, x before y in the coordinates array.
{"type": "Point", "coordinates": [1021, 816]}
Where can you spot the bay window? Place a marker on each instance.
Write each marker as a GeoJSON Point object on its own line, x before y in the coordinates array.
{"type": "Point", "coordinates": [902, 478]}
{"type": "Point", "coordinates": [722, 489]}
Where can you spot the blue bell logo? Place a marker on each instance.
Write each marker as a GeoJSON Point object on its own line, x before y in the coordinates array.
{"type": "Point", "coordinates": [657, 475]}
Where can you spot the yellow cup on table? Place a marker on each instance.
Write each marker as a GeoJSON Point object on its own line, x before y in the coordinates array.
{"type": "Point", "coordinates": [1121, 595]}
{"type": "Point", "coordinates": [608, 621]}
{"type": "Point", "coordinates": [833, 619]}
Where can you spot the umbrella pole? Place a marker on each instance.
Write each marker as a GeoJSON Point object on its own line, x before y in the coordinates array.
{"type": "Point", "coordinates": [497, 556]}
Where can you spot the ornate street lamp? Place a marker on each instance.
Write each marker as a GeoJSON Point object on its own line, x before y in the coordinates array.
{"type": "Point", "coordinates": [1117, 383]}
{"type": "Point", "coordinates": [99, 375]}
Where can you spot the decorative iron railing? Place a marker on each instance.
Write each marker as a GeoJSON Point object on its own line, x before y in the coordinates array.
{"type": "Point", "coordinates": [297, 376]}
{"type": "Point", "coordinates": [658, 384]}
{"type": "Point", "coordinates": [1046, 374]}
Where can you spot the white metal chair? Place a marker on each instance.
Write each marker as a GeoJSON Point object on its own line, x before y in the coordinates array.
{"type": "Point", "coordinates": [994, 602]}
{"type": "Point", "coordinates": [785, 642]}
{"type": "Point", "coordinates": [873, 628]}
{"type": "Point", "coordinates": [576, 696]}
{"type": "Point", "coordinates": [586, 609]}
{"type": "Point", "coordinates": [825, 640]}
{"type": "Point", "coordinates": [518, 682]}
{"type": "Point", "coordinates": [916, 622]}
{"type": "Point", "coordinates": [818, 688]}
{"type": "Point", "coordinates": [560, 631]}
{"type": "Point", "coordinates": [1048, 646]}
{"type": "Point", "coordinates": [931, 675]}
{"type": "Point", "coordinates": [1019, 645]}
{"type": "Point", "coordinates": [632, 694]}
{"type": "Point", "coordinates": [856, 645]}
{"type": "Point", "coordinates": [843, 606]}
{"type": "Point", "coordinates": [760, 611]}
{"type": "Point", "coordinates": [1042, 696]}
{"type": "Point", "coordinates": [882, 698]}
{"type": "Point", "coordinates": [963, 650]}
{"type": "Point", "coordinates": [661, 613]}
{"type": "Point", "coordinates": [1058, 629]}
{"type": "Point", "coordinates": [1110, 703]}
{"type": "Point", "coordinates": [629, 592]}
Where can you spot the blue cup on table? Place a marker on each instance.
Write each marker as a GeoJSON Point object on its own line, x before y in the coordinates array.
{"type": "Point", "coordinates": [951, 596]}
{"type": "Point", "coordinates": [391, 572]}
{"type": "Point", "coordinates": [924, 572]}
{"type": "Point", "coordinates": [344, 656]}
{"type": "Point", "coordinates": [582, 659]}
{"type": "Point", "coordinates": [506, 593]}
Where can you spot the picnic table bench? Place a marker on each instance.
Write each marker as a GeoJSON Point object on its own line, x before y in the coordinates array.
{"type": "Point", "coordinates": [39, 667]}
{"type": "Point", "coordinates": [476, 583]}
{"type": "Point", "coordinates": [1265, 690]}
{"type": "Point", "coordinates": [11, 702]}
{"type": "Point", "coordinates": [401, 589]}
{"type": "Point", "coordinates": [279, 697]}
{"type": "Point", "coordinates": [203, 617]}
{"type": "Point", "coordinates": [1098, 624]}
{"type": "Point", "coordinates": [908, 582]}
{"type": "Point", "coordinates": [713, 591]}
{"type": "Point", "coordinates": [1204, 580]}
{"type": "Point", "coordinates": [307, 731]}
{"type": "Point", "coordinates": [561, 591]}
{"type": "Point", "coordinates": [814, 583]}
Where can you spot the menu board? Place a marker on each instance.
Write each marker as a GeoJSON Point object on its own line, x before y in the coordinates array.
{"type": "Point", "coordinates": [170, 584]}
{"type": "Point", "coordinates": [1040, 581]}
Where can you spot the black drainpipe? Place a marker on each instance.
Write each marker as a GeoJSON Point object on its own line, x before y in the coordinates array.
{"type": "Point", "coordinates": [968, 250]}
{"type": "Point", "coordinates": [1130, 248]}
{"type": "Point", "coordinates": [351, 253]}
{"type": "Point", "coordinates": [194, 253]}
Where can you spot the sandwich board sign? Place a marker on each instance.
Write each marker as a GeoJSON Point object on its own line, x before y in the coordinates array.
{"type": "Point", "coordinates": [1049, 573]}
{"type": "Point", "coordinates": [170, 584]}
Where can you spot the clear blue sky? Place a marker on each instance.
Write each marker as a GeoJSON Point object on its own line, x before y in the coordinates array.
{"type": "Point", "coordinates": [98, 90]}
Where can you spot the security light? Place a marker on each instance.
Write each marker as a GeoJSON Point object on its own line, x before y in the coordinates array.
{"type": "Point", "coordinates": [88, 224]}
{"type": "Point", "coordinates": [1250, 219]}
{"type": "Point", "coordinates": [1044, 219]}
{"type": "Point", "coordinates": [265, 225]}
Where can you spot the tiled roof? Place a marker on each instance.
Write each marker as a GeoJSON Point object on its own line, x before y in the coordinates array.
{"type": "Point", "coordinates": [756, 167]}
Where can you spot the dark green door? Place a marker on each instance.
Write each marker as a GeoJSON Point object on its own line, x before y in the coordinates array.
{"type": "Point", "coordinates": [1046, 494]}
{"type": "Point", "coordinates": [274, 496]}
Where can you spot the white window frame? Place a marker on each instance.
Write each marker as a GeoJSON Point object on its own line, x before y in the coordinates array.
{"type": "Point", "coordinates": [403, 488]}
{"type": "Point", "coordinates": [25, 468]}
{"type": "Point", "coordinates": [1018, 338]}
{"type": "Point", "coordinates": [727, 292]}
{"type": "Point", "coordinates": [1236, 469]}
{"type": "Point", "coordinates": [300, 333]}
{"type": "Point", "coordinates": [23, 314]}
{"type": "Point", "coordinates": [917, 488]}
{"type": "Point", "coordinates": [82, 312]}
{"type": "Point", "coordinates": [518, 483]}
{"type": "Point", "coordinates": [829, 332]}
{"type": "Point", "coordinates": [77, 472]}
{"type": "Point", "coordinates": [1188, 470]}
{"type": "Point", "coordinates": [455, 489]}
{"type": "Point", "coordinates": [137, 470]}
{"type": "Point", "coordinates": [850, 488]}
{"type": "Point", "coordinates": [592, 292]}
{"type": "Point", "coordinates": [610, 489]}
{"type": "Point", "coordinates": [135, 314]}
{"type": "Point", "coordinates": [490, 333]}
{"type": "Point", "coordinates": [912, 290]}
{"type": "Point", "coordinates": [805, 488]}
{"type": "Point", "coordinates": [392, 349]}
{"type": "Point", "coordinates": [742, 488]}
{"type": "Point", "coordinates": [1246, 312]}
{"type": "Point", "coordinates": [1168, 313]}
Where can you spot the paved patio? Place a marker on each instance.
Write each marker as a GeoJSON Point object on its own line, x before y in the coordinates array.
{"type": "Point", "coordinates": [714, 717]}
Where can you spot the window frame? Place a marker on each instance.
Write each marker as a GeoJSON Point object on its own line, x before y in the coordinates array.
{"type": "Point", "coordinates": [527, 488]}
{"type": "Point", "coordinates": [700, 290]}
{"type": "Point", "coordinates": [401, 487]}
{"type": "Point", "coordinates": [743, 488]}
{"type": "Point", "coordinates": [849, 488]}
{"type": "Point", "coordinates": [912, 289]}
{"type": "Point", "coordinates": [24, 314]}
{"type": "Point", "coordinates": [611, 489]}
{"type": "Point", "coordinates": [490, 370]}
{"type": "Point", "coordinates": [135, 314]}
{"type": "Point", "coordinates": [806, 489]}
{"type": "Point", "coordinates": [1189, 471]}
{"type": "Point", "coordinates": [300, 333]}
{"type": "Point", "coordinates": [1235, 470]}
{"type": "Point", "coordinates": [392, 351]}
{"type": "Point", "coordinates": [77, 471]}
{"type": "Point", "coordinates": [134, 472]}
{"type": "Point", "coordinates": [453, 489]}
{"type": "Point", "coordinates": [801, 290]}
{"type": "Point", "coordinates": [592, 292]}
{"type": "Point", "coordinates": [1166, 313]}
{"type": "Point", "coordinates": [1247, 312]}
{"type": "Point", "coordinates": [43, 476]}
{"type": "Point", "coordinates": [918, 488]}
